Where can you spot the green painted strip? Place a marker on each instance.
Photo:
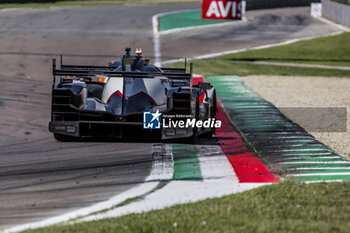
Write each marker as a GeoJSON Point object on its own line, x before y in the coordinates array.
{"type": "Point", "coordinates": [297, 157]}
{"type": "Point", "coordinates": [185, 19]}
{"type": "Point", "coordinates": [322, 178]}
{"type": "Point", "coordinates": [186, 163]}
{"type": "Point", "coordinates": [314, 165]}
{"type": "Point", "coordinates": [320, 171]}
{"type": "Point", "coordinates": [317, 160]}
{"type": "Point", "coordinates": [305, 153]}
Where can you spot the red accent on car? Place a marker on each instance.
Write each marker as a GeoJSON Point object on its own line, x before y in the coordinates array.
{"type": "Point", "coordinates": [116, 92]}
{"type": "Point", "coordinates": [201, 97]}
{"type": "Point", "coordinates": [195, 81]}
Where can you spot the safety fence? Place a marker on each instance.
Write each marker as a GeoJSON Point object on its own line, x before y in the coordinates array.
{"type": "Point", "coordinates": [347, 2]}
{"type": "Point", "coordinates": [337, 12]}
{"type": "Point", "coordinates": [266, 4]}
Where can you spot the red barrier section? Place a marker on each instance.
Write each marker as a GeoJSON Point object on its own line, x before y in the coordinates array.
{"type": "Point", "coordinates": [222, 9]}
{"type": "Point", "coordinates": [248, 167]}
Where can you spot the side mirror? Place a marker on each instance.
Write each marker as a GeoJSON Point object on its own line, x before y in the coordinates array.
{"type": "Point", "coordinates": [204, 85]}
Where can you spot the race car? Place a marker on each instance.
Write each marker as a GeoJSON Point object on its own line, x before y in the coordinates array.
{"type": "Point", "coordinates": [117, 100]}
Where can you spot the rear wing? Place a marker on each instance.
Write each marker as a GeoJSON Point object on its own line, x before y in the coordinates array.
{"type": "Point", "coordinates": [106, 68]}
{"type": "Point", "coordinates": [86, 68]}
{"type": "Point", "coordinates": [92, 71]}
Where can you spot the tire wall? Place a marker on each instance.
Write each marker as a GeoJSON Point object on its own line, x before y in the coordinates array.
{"type": "Point", "coordinates": [266, 4]}
{"type": "Point", "coordinates": [337, 12]}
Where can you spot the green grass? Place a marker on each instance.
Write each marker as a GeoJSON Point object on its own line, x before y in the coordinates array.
{"type": "Point", "coordinates": [90, 3]}
{"type": "Point", "coordinates": [331, 50]}
{"type": "Point", "coordinates": [126, 202]}
{"type": "Point", "coordinates": [224, 67]}
{"type": "Point", "coordinates": [284, 207]}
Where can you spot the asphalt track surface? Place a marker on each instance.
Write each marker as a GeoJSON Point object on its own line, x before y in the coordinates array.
{"type": "Point", "coordinates": [40, 177]}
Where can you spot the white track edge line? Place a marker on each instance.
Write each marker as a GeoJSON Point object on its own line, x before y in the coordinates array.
{"type": "Point", "coordinates": [131, 193]}
{"type": "Point", "coordinates": [324, 181]}
{"type": "Point", "coordinates": [327, 21]}
{"type": "Point", "coordinates": [216, 183]}
{"type": "Point", "coordinates": [156, 40]}
{"type": "Point", "coordinates": [184, 29]}
{"type": "Point", "coordinates": [244, 19]}
{"type": "Point", "coordinates": [139, 190]}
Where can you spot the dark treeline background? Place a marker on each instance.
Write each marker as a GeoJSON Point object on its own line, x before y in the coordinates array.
{"type": "Point", "coordinates": [343, 1]}
{"type": "Point", "coordinates": [251, 4]}
{"type": "Point", "coordinates": [26, 1]}
{"type": "Point", "coordinates": [41, 1]}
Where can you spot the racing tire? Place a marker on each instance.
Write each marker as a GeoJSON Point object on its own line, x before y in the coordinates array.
{"type": "Point", "coordinates": [64, 138]}
{"type": "Point", "coordinates": [212, 115]}
{"type": "Point", "coordinates": [193, 138]}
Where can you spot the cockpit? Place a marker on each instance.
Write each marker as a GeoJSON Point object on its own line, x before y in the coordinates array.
{"type": "Point", "coordinates": [134, 63]}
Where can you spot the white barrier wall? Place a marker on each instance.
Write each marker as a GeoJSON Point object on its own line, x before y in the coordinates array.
{"type": "Point", "coordinates": [337, 12]}
{"type": "Point", "coordinates": [266, 4]}
{"type": "Point", "coordinates": [316, 9]}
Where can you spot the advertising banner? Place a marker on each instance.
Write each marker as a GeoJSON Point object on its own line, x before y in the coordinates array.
{"type": "Point", "coordinates": [222, 9]}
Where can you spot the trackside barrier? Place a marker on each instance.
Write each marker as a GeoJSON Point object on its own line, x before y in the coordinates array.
{"type": "Point", "coordinates": [337, 12]}
{"type": "Point", "coordinates": [267, 4]}
{"type": "Point", "coordinates": [316, 9]}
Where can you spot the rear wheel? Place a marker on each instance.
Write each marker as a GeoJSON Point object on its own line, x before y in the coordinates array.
{"type": "Point", "coordinates": [193, 138]}
{"type": "Point", "coordinates": [64, 138]}
{"type": "Point", "coordinates": [213, 110]}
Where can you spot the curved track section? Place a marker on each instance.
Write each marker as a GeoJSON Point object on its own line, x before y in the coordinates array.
{"type": "Point", "coordinates": [40, 177]}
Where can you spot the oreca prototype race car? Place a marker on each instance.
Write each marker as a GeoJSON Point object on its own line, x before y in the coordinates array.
{"type": "Point", "coordinates": [115, 100]}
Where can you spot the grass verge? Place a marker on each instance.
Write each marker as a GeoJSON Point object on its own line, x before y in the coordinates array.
{"type": "Point", "coordinates": [90, 3]}
{"type": "Point", "coordinates": [330, 50]}
{"type": "Point", "coordinates": [284, 207]}
{"type": "Point", "coordinates": [226, 67]}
